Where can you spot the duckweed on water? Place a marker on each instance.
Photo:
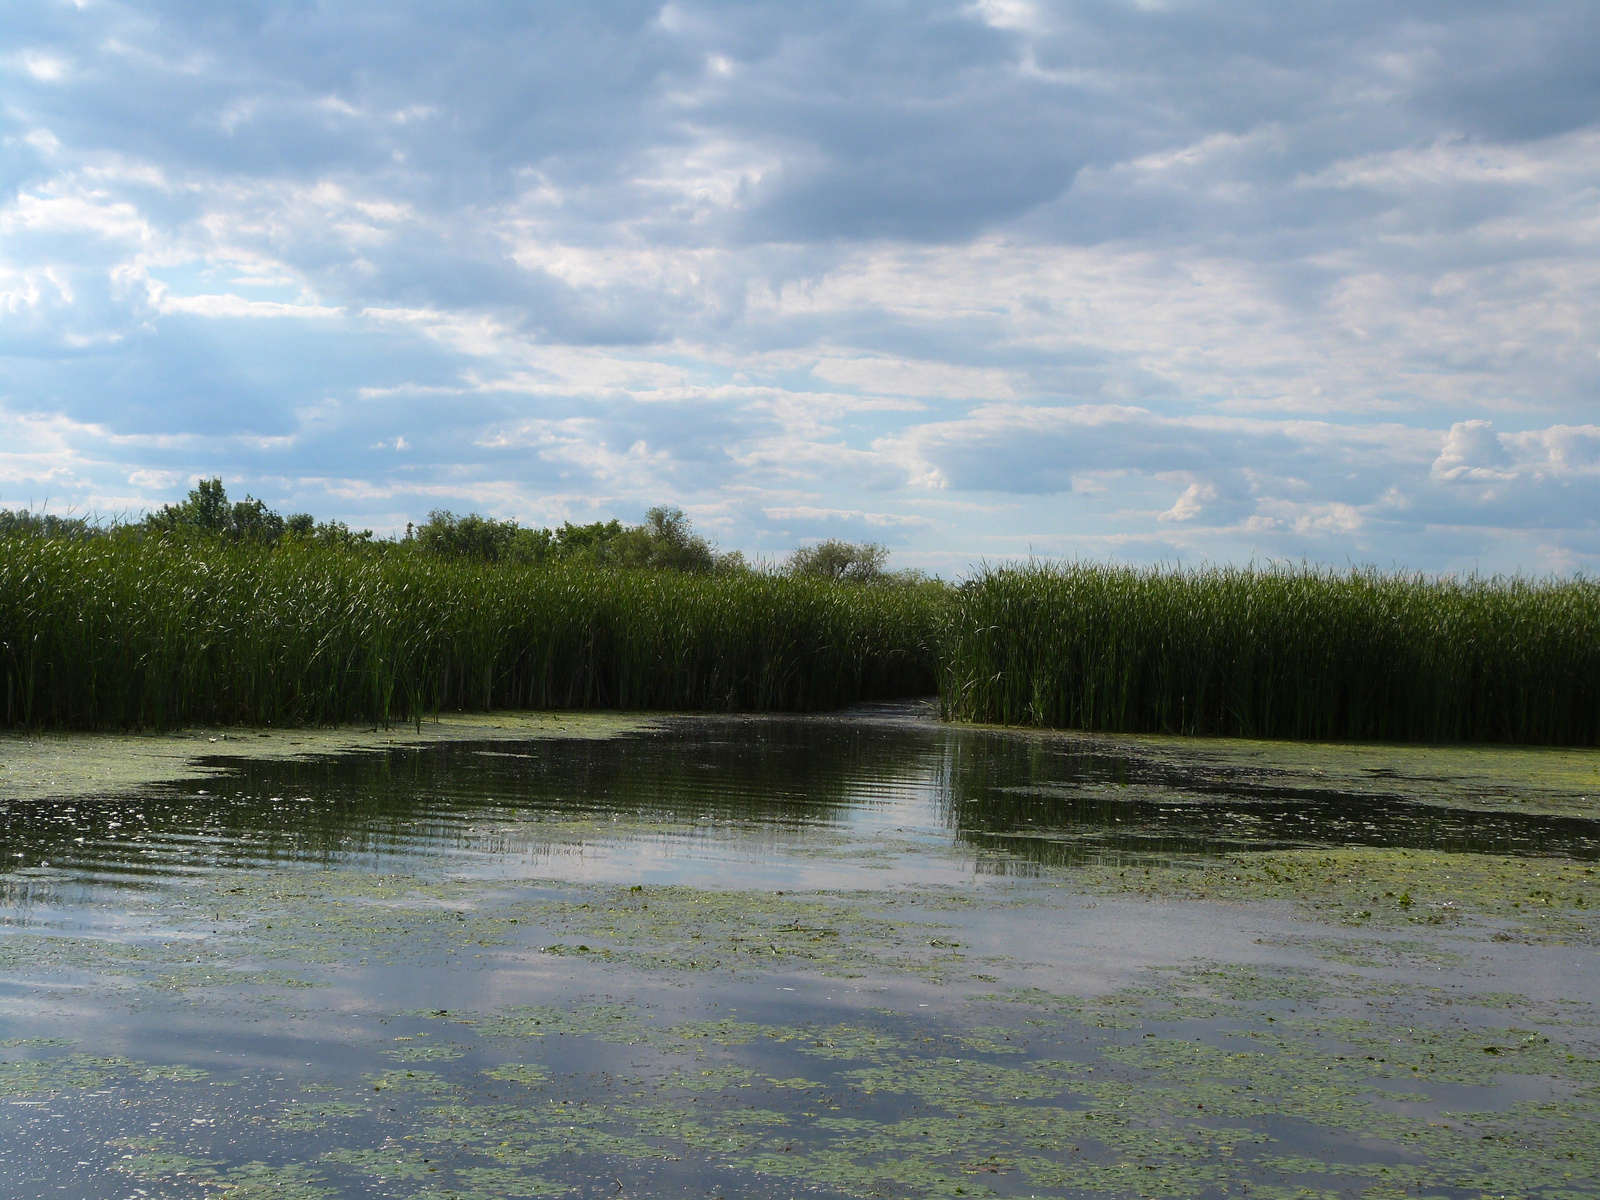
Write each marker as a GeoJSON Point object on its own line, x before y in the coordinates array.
{"type": "Point", "coordinates": [527, 1074]}
{"type": "Point", "coordinates": [1541, 780]}
{"type": "Point", "coordinates": [315, 1114]}
{"type": "Point", "coordinates": [1179, 1083]}
{"type": "Point", "coordinates": [669, 928]}
{"type": "Point", "coordinates": [38, 765]}
{"type": "Point", "coordinates": [314, 919]}
{"type": "Point", "coordinates": [70, 1072]}
{"type": "Point", "coordinates": [1549, 899]}
{"type": "Point", "coordinates": [551, 1038]}
{"type": "Point", "coordinates": [1209, 1075]}
{"type": "Point", "coordinates": [424, 1053]}
{"type": "Point", "coordinates": [1157, 1116]}
{"type": "Point", "coordinates": [148, 1161]}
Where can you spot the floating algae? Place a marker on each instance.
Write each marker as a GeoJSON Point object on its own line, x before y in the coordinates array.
{"type": "Point", "coordinates": [1543, 780]}
{"type": "Point", "coordinates": [36, 766]}
{"type": "Point", "coordinates": [48, 1076]}
{"type": "Point", "coordinates": [1203, 1077]}
{"type": "Point", "coordinates": [404, 999]}
{"type": "Point", "coordinates": [1545, 899]}
{"type": "Point", "coordinates": [1158, 1115]}
{"type": "Point", "coordinates": [149, 1163]}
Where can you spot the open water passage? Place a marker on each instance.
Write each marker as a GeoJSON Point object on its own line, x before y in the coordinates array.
{"type": "Point", "coordinates": [858, 955]}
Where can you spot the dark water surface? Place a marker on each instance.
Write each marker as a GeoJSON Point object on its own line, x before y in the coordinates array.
{"type": "Point", "coordinates": [856, 955]}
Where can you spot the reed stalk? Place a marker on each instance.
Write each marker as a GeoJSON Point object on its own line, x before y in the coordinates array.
{"type": "Point", "coordinates": [1276, 653]}
{"type": "Point", "coordinates": [157, 633]}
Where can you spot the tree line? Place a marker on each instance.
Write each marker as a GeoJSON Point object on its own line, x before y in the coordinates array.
{"type": "Point", "coordinates": [664, 541]}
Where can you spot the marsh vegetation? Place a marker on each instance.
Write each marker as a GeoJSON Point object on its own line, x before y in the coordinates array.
{"type": "Point", "coordinates": [159, 633]}
{"type": "Point", "coordinates": [226, 612]}
{"type": "Point", "coordinates": [1276, 653]}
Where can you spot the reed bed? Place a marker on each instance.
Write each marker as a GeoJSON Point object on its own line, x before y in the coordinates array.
{"type": "Point", "coordinates": [156, 632]}
{"type": "Point", "coordinates": [1276, 653]}
{"type": "Point", "coordinates": [159, 632]}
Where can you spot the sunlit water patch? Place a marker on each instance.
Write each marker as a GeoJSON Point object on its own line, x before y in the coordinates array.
{"type": "Point", "coordinates": [856, 956]}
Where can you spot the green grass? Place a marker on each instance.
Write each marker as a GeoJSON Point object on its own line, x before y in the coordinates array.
{"type": "Point", "coordinates": [152, 632]}
{"type": "Point", "coordinates": [1276, 653]}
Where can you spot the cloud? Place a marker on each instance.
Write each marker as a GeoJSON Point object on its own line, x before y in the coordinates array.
{"type": "Point", "coordinates": [1259, 478]}
{"type": "Point", "coordinates": [897, 377]}
{"type": "Point", "coordinates": [1190, 504]}
{"type": "Point", "coordinates": [809, 521]}
{"type": "Point", "coordinates": [1139, 279]}
{"type": "Point", "coordinates": [1472, 452]}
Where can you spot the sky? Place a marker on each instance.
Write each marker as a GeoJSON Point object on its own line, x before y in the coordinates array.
{"type": "Point", "coordinates": [1148, 281]}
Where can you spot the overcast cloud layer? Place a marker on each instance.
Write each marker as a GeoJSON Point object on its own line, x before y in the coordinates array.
{"type": "Point", "coordinates": [1144, 280]}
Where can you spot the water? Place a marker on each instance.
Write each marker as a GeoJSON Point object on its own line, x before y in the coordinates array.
{"type": "Point", "coordinates": [854, 955]}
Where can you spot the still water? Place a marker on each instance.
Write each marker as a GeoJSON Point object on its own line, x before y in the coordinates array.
{"type": "Point", "coordinates": [857, 955]}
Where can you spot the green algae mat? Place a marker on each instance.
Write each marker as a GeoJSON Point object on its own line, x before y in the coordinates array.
{"type": "Point", "coordinates": [859, 955]}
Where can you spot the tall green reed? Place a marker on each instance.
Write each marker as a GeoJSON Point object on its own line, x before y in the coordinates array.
{"type": "Point", "coordinates": [157, 633]}
{"type": "Point", "coordinates": [1276, 653]}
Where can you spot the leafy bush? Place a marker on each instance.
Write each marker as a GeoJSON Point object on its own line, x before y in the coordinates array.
{"type": "Point", "coordinates": [858, 562]}
{"type": "Point", "coordinates": [665, 541]}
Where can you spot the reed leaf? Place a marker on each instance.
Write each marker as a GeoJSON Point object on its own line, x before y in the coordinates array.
{"type": "Point", "coordinates": [1276, 653]}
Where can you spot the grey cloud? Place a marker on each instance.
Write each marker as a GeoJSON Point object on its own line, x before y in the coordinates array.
{"type": "Point", "coordinates": [869, 120]}
{"type": "Point", "coordinates": [298, 88]}
{"type": "Point", "coordinates": [1272, 475]}
{"type": "Point", "coordinates": [1517, 80]}
{"type": "Point", "coordinates": [893, 118]}
{"type": "Point", "coordinates": [1034, 449]}
{"type": "Point", "coordinates": [1366, 211]}
{"type": "Point", "coordinates": [808, 522]}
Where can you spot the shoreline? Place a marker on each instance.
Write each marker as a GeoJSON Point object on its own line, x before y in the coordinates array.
{"type": "Point", "coordinates": [1544, 781]}
{"type": "Point", "coordinates": [70, 765]}
{"type": "Point", "coordinates": [1547, 781]}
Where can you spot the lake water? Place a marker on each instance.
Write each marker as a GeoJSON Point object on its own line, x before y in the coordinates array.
{"type": "Point", "coordinates": [850, 955]}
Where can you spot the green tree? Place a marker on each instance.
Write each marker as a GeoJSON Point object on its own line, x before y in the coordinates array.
{"type": "Point", "coordinates": [858, 562]}
{"type": "Point", "coordinates": [590, 543]}
{"type": "Point", "coordinates": [207, 512]}
{"type": "Point", "coordinates": [666, 541]}
{"type": "Point", "coordinates": [303, 527]}
{"type": "Point", "coordinates": [482, 538]}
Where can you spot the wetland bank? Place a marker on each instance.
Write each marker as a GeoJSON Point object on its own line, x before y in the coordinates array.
{"type": "Point", "coordinates": [861, 954]}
